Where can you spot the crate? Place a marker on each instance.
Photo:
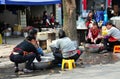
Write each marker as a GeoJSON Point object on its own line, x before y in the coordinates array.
{"type": "Point", "coordinates": [42, 36]}
{"type": "Point", "coordinates": [51, 36]}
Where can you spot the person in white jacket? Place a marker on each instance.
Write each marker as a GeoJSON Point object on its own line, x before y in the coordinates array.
{"type": "Point", "coordinates": [65, 49]}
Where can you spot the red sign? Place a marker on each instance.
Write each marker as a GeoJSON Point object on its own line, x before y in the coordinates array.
{"type": "Point", "coordinates": [109, 2]}
{"type": "Point", "coordinates": [84, 4]}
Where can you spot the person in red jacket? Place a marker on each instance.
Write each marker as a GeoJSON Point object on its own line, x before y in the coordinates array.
{"type": "Point", "coordinates": [90, 20]}
{"type": "Point", "coordinates": [94, 35]}
{"type": "Point", "coordinates": [52, 19]}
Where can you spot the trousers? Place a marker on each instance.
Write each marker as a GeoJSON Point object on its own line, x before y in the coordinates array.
{"type": "Point", "coordinates": [18, 58]}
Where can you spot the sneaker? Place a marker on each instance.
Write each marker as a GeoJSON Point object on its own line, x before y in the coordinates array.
{"type": "Point", "coordinates": [27, 70]}
{"type": "Point", "coordinates": [20, 73]}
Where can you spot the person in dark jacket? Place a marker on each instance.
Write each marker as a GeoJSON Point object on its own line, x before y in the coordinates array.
{"type": "Point", "coordinates": [116, 11]}
{"type": "Point", "coordinates": [25, 52]}
{"type": "Point", "coordinates": [45, 19]}
{"type": "Point", "coordinates": [33, 32]}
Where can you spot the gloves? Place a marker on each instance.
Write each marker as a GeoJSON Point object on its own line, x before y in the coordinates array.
{"type": "Point", "coordinates": [40, 51]}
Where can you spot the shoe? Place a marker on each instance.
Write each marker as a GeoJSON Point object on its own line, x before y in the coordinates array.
{"type": "Point", "coordinates": [16, 69]}
{"type": "Point", "coordinates": [27, 70]}
{"type": "Point", "coordinates": [20, 73]}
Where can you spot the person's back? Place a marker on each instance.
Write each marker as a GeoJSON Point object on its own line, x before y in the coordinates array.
{"type": "Point", "coordinates": [26, 46]}
{"type": "Point", "coordinates": [66, 45]}
{"type": "Point", "coordinates": [114, 32]}
{"type": "Point", "coordinates": [64, 48]}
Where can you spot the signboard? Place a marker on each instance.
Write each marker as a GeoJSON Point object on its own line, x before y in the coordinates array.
{"type": "Point", "coordinates": [59, 14]}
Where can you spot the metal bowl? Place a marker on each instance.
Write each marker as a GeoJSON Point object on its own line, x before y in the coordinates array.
{"type": "Point", "coordinates": [46, 58]}
{"type": "Point", "coordinates": [45, 62]}
{"type": "Point", "coordinates": [92, 48]}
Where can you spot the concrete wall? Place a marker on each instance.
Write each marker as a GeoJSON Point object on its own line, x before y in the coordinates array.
{"type": "Point", "coordinates": [8, 17]}
{"type": "Point", "coordinates": [38, 10]}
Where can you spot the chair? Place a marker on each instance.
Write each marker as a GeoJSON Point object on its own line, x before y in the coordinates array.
{"type": "Point", "coordinates": [68, 62]}
{"type": "Point", "coordinates": [116, 49]}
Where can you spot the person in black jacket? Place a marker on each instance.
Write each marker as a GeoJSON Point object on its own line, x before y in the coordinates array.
{"type": "Point", "coordinates": [116, 10]}
{"type": "Point", "coordinates": [33, 32]}
{"type": "Point", "coordinates": [25, 52]}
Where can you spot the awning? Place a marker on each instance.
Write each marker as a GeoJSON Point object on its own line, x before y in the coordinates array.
{"type": "Point", "coordinates": [2, 1]}
{"type": "Point", "coordinates": [31, 2]}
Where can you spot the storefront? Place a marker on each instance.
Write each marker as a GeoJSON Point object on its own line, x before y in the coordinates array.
{"type": "Point", "coordinates": [94, 5]}
{"type": "Point", "coordinates": [18, 11]}
{"type": "Point", "coordinates": [32, 8]}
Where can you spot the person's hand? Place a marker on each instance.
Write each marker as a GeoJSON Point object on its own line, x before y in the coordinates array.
{"type": "Point", "coordinates": [101, 36]}
{"type": "Point", "coordinates": [52, 23]}
{"type": "Point", "coordinates": [95, 40]}
{"type": "Point", "coordinates": [92, 40]}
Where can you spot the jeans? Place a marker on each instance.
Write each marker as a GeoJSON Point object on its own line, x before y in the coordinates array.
{"type": "Point", "coordinates": [22, 59]}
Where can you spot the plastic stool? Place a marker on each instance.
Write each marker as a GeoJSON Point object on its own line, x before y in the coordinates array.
{"type": "Point", "coordinates": [0, 39]}
{"type": "Point", "coordinates": [116, 49]}
{"type": "Point", "coordinates": [69, 62]}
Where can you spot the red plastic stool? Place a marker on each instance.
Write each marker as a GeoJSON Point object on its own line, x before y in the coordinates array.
{"type": "Point", "coordinates": [116, 49]}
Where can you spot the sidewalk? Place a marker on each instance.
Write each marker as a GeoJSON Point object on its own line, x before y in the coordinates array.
{"type": "Point", "coordinates": [109, 71]}
{"type": "Point", "coordinates": [99, 71]}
